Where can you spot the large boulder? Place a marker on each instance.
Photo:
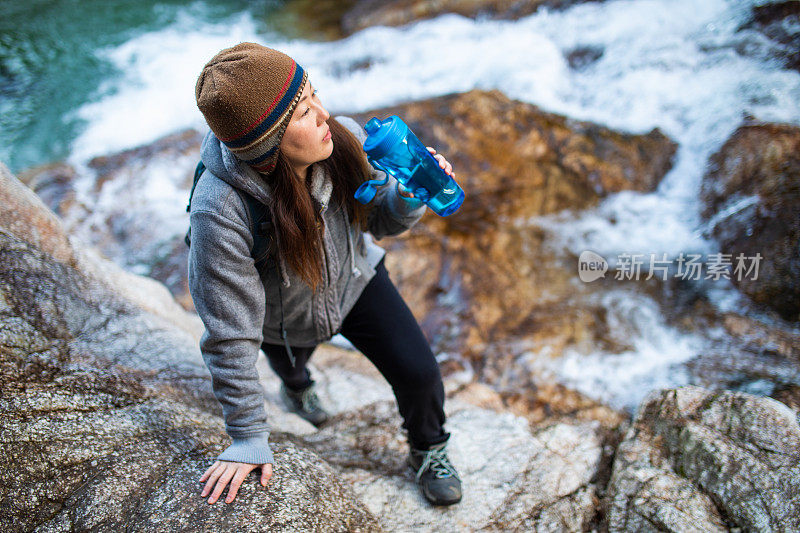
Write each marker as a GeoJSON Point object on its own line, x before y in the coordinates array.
{"type": "Point", "coordinates": [751, 196]}
{"type": "Point", "coordinates": [106, 413]}
{"type": "Point", "coordinates": [516, 160]}
{"type": "Point", "coordinates": [707, 461]}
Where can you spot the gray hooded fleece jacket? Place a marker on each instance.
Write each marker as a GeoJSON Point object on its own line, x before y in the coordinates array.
{"type": "Point", "coordinates": [239, 305]}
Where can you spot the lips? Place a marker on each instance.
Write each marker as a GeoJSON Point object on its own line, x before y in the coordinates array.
{"type": "Point", "coordinates": [327, 136]}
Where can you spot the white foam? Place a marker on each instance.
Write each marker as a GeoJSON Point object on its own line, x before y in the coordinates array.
{"type": "Point", "coordinates": [153, 95]}
{"type": "Point", "coordinates": [623, 379]}
{"type": "Point", "coordinates": [666, 63]}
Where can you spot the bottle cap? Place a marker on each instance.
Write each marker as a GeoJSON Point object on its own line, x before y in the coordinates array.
{"type": "Point", "coordinates": [384, 135]}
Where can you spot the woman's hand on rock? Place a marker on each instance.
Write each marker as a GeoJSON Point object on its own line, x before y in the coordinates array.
{"type": "Point", "coordinates": [443, 163]}
{"type": "Point", "coordinates": [224, 472]}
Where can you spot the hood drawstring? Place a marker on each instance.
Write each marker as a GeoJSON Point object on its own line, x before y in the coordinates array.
{"type": "Point", "coordinates": [355, 271]}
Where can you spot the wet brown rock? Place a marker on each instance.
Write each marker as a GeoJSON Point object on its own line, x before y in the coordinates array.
{"type": "Point", "coordinates": [54, 183]}
{"type": "Point", "coordinates": [747, 352]}
{"type": "Point", "coordinates": [752, 200]}
{"type": "Point", "coordinates": [517, 160]}
{"type": "Point", "coordinates": [25, 216]}
{"type": "Point", "coordinates": [788, 394]}
{"type": "Point", "coordinates": [582, 56]}
{"type": "Point", "coordinates": [186, 142]}
{"type": "Point", "coordinates": [699, 460]}
{"type": "Point", "coordinates": [368, 13]}
{"type": "Point", "coordinates": [482, 280]}
{"type": "Point", "coordinates": [547, 403]}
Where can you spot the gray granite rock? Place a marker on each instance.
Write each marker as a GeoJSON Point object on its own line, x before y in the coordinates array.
{"type": "Point", "coordinates": [107, 418]}
{"type": "Point", "coordinates": [696, 460]}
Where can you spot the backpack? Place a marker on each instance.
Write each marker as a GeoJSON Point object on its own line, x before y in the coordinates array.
{"type": "Point", "coordinates": [260, 224]}
{"type": "Point", "coordinates": [259, 221]}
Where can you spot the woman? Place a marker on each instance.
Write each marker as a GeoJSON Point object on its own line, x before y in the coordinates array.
{"type": "Point", "coordinates": [272, 140]}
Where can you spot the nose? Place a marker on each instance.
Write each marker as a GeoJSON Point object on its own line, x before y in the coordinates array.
{"type": "Point", "coordinates": [322, 113]}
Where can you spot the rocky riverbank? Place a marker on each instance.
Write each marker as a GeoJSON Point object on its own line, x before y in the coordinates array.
{"type": "Point", "coordinates": [108, 420]}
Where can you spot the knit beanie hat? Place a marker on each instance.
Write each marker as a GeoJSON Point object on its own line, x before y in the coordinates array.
{"type": "Point", "coordinates": [247, 94]}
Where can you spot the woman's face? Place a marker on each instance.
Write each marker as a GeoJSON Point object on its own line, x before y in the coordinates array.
{"type": "Point", "coordinates": [307, 138]}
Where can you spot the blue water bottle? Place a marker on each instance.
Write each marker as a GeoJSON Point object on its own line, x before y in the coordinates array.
{"type": "Point", "coordinates": [392, 147]}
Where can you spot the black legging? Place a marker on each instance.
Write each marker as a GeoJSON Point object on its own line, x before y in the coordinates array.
{"type": "Point", "coordinates": [382, 327]}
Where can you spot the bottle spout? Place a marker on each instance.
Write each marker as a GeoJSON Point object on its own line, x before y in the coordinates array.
{"type": "Point", "coordinates": [373, 125]}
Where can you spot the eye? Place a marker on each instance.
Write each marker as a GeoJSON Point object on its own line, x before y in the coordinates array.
{"type": "Point", "coordinates": [313, 95]}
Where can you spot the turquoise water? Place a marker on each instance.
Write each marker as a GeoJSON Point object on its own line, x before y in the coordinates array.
{"type": "Point", "coordinates": [49, 65]}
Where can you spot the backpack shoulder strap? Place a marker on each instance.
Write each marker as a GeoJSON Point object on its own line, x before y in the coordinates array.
{"type": "Point", "coordinates": [258, 215]}
{"type": "Point", "coordinates": [197, 173]}
{"type": "Point", "coordinates": [260, 225]}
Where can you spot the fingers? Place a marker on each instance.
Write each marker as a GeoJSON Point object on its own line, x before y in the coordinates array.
{"type": "Point", "coordinates": [222, 482]}
{"type": "Point", "coordinates": [241, 473]}
{"type": "Point", "coordinates": [223, 472]}
{"type": "Point", "coordinates": [266, 474]}
{"type": "Point", "coordinates": [443, 163]}
{"type": "Point", "coordinates": [212, 474]}
{"type": "Point", "coordinates": [210, 469]}
{"type": "Point", "coordinates": [402, 190]}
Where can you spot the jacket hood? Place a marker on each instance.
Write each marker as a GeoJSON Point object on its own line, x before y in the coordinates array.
{"type": "Point", "coordinates": [221, 162]}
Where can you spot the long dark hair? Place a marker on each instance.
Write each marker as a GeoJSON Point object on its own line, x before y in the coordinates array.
{"type": "Point", "coordinates": [297, 213]}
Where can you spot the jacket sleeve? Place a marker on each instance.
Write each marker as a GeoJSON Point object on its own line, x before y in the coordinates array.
{"type": "Point", "coordinates": [229, 298]}
{"type": "Point", "coordinates": [391, 214]}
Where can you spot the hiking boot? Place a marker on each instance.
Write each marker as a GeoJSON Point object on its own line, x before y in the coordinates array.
{"type": "Point", "coordinates": [305, 403]}
{"type": "Point", "coordinates": [437, 478]}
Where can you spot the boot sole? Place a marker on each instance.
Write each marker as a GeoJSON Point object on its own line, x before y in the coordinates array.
{"type": "Point", "coordinates": [434, 501]}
